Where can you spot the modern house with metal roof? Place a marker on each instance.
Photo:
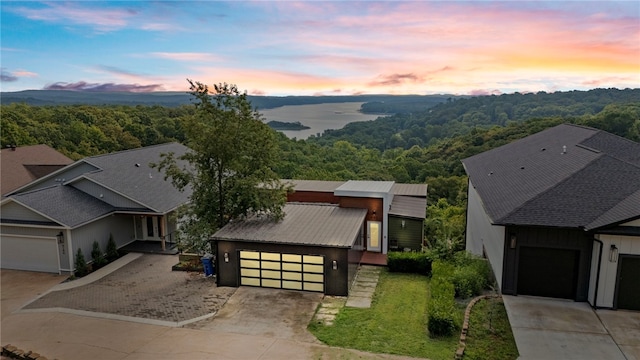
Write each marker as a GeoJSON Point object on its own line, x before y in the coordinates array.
{"type": "Point", "coordinates": [558, 215]}
{"type": "Point", "coordinates": [329, 228]}
{"type": "Point", "coordinates": [44, 223]}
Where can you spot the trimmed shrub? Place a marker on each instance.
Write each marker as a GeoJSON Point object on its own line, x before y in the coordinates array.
{"type": "Point", "coordinates": [97, 256]}
{"type": "Point", "coordinates": [81, 265]}
{"type": "Point", "coordinates": [112, 250]}
{"type": "Point", "coordinates": [472, 275]}
{"type": "Point", "coordinates": [409, 262]}
{"type": "Point", "coordinates": [442, 307]}
{"type": "Point", "coordinates": [443, 270]}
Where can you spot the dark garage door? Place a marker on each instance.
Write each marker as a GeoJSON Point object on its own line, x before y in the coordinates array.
{"type": "Point", "coordinates": [628, 287]}
{"type": "Point", "coordinates": [548, 272]}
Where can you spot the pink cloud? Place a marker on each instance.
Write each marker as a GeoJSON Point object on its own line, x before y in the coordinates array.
{"type": "Point", "coordinates": [102, 19]}
{"type": "Point", "coordinates": [103, 87]}
{"type": "Point", "coordinates": [185, 56]}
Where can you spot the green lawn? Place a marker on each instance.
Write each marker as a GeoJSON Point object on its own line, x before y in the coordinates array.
{"type": "Point", "coordinates": [489, 335]}
{"type": "Point", "coordinates": [396, 323]}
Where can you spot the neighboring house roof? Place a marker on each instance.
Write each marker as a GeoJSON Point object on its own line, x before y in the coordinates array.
{"type": "Point", "coordinates": [408, 206]}
{"type": "Point", "coordinates": [21, 165]}
{"type": "Point", "coordinates": [566, 176]}
{"type": "Point", "coordinates": [128, 173]}
{"type": "Point", "coordinates": [304, 224]}
{"type": "Point", "coordinates": [73, 196]}
{"type": "Point", "coordinates": [64, 204]}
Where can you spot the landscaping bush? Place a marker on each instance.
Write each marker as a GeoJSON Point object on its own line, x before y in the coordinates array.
{"type": "Point", "coordinates": [468, 274]}
{"type": "Point", "coordinates": [441, 307]}
{"type": "Point", "coordinates": [409, 262]}
{"type": "Point", "coordinates": [112, 250]}
{"type": "Point", "coordinates": [81, 265]}
{"type": "Point", "coordinates": [97, 256]}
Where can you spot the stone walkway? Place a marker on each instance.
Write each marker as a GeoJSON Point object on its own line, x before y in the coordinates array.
{"type": "Point", "coordinates": [360, 295]}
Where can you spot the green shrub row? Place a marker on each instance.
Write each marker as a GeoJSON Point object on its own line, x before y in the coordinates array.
{"type": "Point", "coordinates": [469, 274]}
{"type": "Point", "coordinates": [409, 262]}
{"type": "Point", "coordinates": [442, 307]}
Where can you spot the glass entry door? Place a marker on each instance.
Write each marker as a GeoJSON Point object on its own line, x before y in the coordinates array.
{"type": "Point", "coordinates": [374, 236]}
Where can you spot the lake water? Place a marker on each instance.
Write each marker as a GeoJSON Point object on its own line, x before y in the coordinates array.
{"type": "Point", "coordinates": [319, 117]}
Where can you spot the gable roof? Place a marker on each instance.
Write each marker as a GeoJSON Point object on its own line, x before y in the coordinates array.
{"type": "Point", "coordinates": [23, 164]}
{"type": "Point", "coordinates": [565, 176]}
{"type": "Point", "coordinates": [128, 173]}
{"type": "Point", "coordinates": [304, 223]}
{"type": "Point", "coordinates": [64, 204]}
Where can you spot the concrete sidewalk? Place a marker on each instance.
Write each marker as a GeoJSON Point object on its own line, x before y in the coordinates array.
{"type": "Point", "coordinates": [552, 329]}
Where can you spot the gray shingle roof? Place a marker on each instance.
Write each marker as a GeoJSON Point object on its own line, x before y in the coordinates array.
{"type": "Point", "coordinates": [303, 224]}
{"type": "Point", "coordinates": [128, 173]}
{"type": "Point", "coordinates": [64, 204]}
{"type": "Point", "coordinates": [533, 181]}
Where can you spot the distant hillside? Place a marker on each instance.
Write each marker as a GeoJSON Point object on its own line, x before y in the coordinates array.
{"type": "Point", "coordinates": [387, 104]}
{"type": "Point", "coordinates": [456, 117]}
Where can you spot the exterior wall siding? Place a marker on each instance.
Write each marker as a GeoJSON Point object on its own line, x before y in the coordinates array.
{"type": "Point", "coordinates": [627, 245]}
{"type": "Point", "coordinates": [313, 196]}
{"type": "Point", "coordinates": [408, 237]}
{"type": "Point", "coordinates": [336, 281]}
{"type": "Point", "coordinates": [106, 195]}
{"type": "Point", "coordinates": [67, 175]}
{"type": "Point", "coordinates": [120, 226]}
{"type": "Point", "coordinates": [483, 238]}
{"type": "Point", "coordinates": [26, 231]}
{"type": "Point", "coordinates": [12, 210]}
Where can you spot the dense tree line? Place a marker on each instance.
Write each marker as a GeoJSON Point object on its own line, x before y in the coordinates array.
{"type": "Point", "coordinates": [460, 116]}
{"type": "Point", "coordinates": [365, 154]}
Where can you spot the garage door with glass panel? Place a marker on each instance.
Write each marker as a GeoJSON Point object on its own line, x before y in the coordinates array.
{"type": "Point", "coordinates": [282, 271]}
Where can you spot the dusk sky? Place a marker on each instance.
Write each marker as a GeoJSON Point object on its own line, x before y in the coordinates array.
{"type": "Point", "coordinates": [322, 48]}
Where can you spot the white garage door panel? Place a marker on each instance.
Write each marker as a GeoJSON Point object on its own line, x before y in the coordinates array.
{"type": "Point", "coordinates": [282, 271]}
{"type": "Point", "coordinates": [23, 253]}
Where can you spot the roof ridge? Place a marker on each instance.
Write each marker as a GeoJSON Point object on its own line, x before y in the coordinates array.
{"type": "Point", "coordinates": [36, 190]}
{"type": "Point", "coordinates": [130, 150]}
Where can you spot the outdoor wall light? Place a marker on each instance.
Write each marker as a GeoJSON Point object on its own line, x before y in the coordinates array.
{"type": "Point", "coordinates": [60, 237]}
{"type": "Point", "coordinates": [613, 253]}
{"type": "Point", "coordinates": [513, 239]}
{"type": "Point", "coordinates": [334, 265]}
{"type": "Point", "coordinates": [402, 224]}
{"type": "Point", "coordinates": [226, 257]}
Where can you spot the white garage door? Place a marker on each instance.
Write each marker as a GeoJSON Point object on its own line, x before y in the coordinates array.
{"type": "Point", "coordinates": [29, 253]}
{"type": "Point", "coordinates": [282, 271]}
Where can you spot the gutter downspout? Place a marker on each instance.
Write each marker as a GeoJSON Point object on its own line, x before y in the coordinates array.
{"type": "Point", "coordinates": [595, 293]}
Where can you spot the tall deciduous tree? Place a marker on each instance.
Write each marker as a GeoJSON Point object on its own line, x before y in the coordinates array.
{"type": "Point", "coordinates": [231, 159]}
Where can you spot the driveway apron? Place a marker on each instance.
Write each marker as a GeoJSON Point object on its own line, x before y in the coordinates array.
{"type": "Point", "coordinates": [546, 328]}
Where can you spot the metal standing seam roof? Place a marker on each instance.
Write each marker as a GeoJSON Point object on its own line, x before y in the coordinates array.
{"type": "Point", "coordinates": [304, 224]}
{"type": "Point", "coordinates": [409, 206]}
{"type": "Point", "coordinates": [565, 176]}
{"type": "Point", "coordinates": [314, 185]}
{"type": "Point", "coordinates": [410, 189]}
{"type": "Point", "coordinates": [365, 187]}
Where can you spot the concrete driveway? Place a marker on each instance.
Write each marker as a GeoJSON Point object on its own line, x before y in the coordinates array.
{"type": "Point", "coordinates": [82, 334]}
{"type": "Point", "coordinates": [266, 312]}
{"type": "Point", "coordinates": [562, 329]}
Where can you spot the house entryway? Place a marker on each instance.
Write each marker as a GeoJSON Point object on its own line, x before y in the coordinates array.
{"type": "Point", "coordinates": [627, 294]}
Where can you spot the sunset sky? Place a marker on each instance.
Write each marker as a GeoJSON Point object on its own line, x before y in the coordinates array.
{"type": "Point", "coordinates": [322, 47]}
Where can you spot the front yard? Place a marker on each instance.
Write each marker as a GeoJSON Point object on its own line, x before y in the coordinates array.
{"type": "Point", "coordinates": [396, 323]}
